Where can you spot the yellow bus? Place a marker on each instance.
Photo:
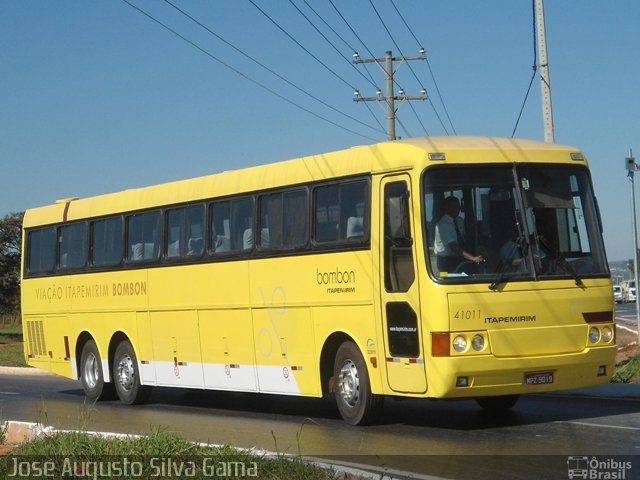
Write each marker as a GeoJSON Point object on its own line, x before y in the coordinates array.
{"type": "Point", "coordinates": [429, 267]}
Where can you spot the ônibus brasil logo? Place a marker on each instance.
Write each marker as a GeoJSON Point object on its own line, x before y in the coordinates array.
{"type": "Point", "coordinates": [598, 469]}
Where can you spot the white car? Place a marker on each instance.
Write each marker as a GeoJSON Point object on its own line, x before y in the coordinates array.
{"type": "Point", "coordinates": [617, 293]}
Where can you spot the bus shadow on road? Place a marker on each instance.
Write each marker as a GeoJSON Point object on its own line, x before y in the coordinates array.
{"type": "Point", "coordinates": [457, 414]}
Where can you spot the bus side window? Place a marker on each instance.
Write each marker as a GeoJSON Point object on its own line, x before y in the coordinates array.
{"type": "Point", "coordinates": [295, 226]}
{"type": "Point", "coordinates": [327, 214]}
{"type": "Point", "coordinates": [184, 232]}
{"type": "Point", "coordinates": [242, 223]}
{"type": "Point", "coordinates": [175, 219]}
{"type": "Point", "coordinates": [231, 225]}
{"type": "Point", "coordinates": [194, 230]}
{"type": "Point", "coordinates": [106, 241]}
{"type": "Point", "coordinates": [143, 236]}
{"type": "Point", "coordinates": [283, 220]}
{"type": "Point", "coordinates": [220, 221]}
{"type": "Point", "coordinates": [72, 246]}
{"type": "Point", "coordinates": [341, 213]}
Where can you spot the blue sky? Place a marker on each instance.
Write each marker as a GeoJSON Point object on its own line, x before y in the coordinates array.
{"type": "Point", "coordinates": [95, 97]}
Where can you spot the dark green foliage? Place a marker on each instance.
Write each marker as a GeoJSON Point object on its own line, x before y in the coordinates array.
{"type": "Point", "coordinates": [10, 247]}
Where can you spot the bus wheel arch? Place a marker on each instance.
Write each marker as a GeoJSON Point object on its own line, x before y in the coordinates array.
{"type": "Point", "coordinates": [327, 359]}
{"type": "Point", "coordinates": [90, 371]}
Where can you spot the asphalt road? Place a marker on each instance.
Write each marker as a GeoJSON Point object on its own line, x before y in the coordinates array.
{"type": "Point", "coordinates": [626, 315]}
{"type": "Point", "coordinates": [448, 439]}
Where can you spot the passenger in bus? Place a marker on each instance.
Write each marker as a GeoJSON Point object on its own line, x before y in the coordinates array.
{"type": "Point", "coordinates": [449, 239]}
{"type": "Point", "coordinates": [511, 255]}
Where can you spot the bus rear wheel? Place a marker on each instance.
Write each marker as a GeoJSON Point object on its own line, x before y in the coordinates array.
{"type": "Point", "coordinates": [91, 375]}
{"type": "Point", "coordinates": [356, 403]}
{"type": "Point", "coordinates": [126, 376]}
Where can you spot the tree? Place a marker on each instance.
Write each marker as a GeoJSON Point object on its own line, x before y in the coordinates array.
{"type": "Point", "coordinates": [10, 247]}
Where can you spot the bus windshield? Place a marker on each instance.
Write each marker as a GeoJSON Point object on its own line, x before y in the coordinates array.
{"type": "Point", "coordinates": [499, 223]}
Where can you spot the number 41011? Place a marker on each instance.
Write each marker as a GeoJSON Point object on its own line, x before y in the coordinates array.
{"type": "Point", "coordinates": [474, 314]}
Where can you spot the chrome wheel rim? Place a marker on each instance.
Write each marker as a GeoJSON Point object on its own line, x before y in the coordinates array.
{"type": "Point", "coordinates": [125, 372]}
{"type": "Point", "coordinates": [349, 383]}
{"type": "Point", "coordinates": [90, 371]}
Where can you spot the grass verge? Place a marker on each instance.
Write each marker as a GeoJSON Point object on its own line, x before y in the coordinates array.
{"type": "Point", "coordinates": [11, 346]}
{"type": "Point", "coordinates": [161, 454]}
{"type": "Point", "coordinates": [627, 371]}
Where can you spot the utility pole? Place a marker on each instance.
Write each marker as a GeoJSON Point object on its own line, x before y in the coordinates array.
{"type": "Point", "coordinates": [390, 98]}
{"type": "Point", "coordinates": [632, 167]}
{"type": "Point", "coordinates": [545, 82]}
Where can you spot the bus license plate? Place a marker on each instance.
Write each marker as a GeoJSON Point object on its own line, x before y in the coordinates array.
{"type": "Point", "coordinates": [538, 378]}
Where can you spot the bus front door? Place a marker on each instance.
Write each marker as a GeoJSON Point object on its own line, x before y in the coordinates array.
{"type": "Point", "coordinates": [400, 298]}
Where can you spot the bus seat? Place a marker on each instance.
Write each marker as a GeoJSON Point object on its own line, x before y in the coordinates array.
{"type": "Point", "coordinates": [173, 249]}
{"type": "Point", "coordinates": [137, 251]}
{"type": "Point", "coordinates": [195, 246]}
{"type": "Point", "coordinates": [264, 238]}
{"type": "Point", "coordinates": [222, 244]}
{"type": "Point", "coordinates": [355, 227]}
{"type": "Point", "coordinates": [149, 250]}
{"type": "Point", "coordinates": [247, 239]}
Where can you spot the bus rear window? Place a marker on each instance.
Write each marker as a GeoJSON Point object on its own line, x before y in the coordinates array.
{"type": "Point", "coordinates": [41, 250]}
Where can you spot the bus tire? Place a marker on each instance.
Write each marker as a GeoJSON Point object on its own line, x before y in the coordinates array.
{"type": "Point", "coordinates": [498, 404]}
{"type": "Point", "coordinates": [126, 376]}
{"type": "Point", "coordinates": [91, 376]}
{"type": "Point", "coordinates": [356, 403]}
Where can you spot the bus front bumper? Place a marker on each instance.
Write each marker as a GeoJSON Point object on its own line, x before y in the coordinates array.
{"type": "Point", "coordinates": [486, 375]}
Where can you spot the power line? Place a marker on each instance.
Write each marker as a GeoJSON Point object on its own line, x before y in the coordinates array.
{"type": "Point", "coordinates": [257, 62]}
{"type": "Point", "coordinates": [371, 81]}
{"type": "Point", "coordinates": [331, 44]}
{"type": "Point", "coordinates": [390, 97]}
{"type": "Point", "coordinates": [356, 35]}
{"type": "Point", "coordinates": [533, 75]}
{"type": "Point", "coordinates": [433, 77]}
{"type": "Point", "coordinates": [409, 65]}
{"type": "Point", "coordinates": [243, 75]}
{"type": "Point", "coordinates": [351, 49]}
{"type": "Point", "coordinates": [302, 46]}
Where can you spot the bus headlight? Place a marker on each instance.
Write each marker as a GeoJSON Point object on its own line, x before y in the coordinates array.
{"type": "Point", "coordinates": [607, 334]}
{"type": "Point", "coordinates": [594, 335]}
{"type": "Point", "coordinates": [477, 343]}
{"type": "Point", "coordinates": [460, 343]}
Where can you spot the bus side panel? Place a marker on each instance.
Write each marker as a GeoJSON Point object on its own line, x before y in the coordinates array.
{"type": "Point", "coordinates": [284, 351]}
{"type": "Point", "coordinates": [185, 299]}
{"type": "Point", "coordinates": [228, 356]}
{"type": "Point", "coordinates": [176, 348]}
{"type": "Point", "coordinates": [145, 349]}
{"type": "Point", "coordinates": [336, 287]}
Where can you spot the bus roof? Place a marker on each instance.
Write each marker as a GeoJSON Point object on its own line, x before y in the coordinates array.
{"type": "Point", "coordinates": [386, 156]}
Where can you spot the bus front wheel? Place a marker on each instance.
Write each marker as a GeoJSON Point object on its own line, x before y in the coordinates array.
{"type": "Point", "coordinates": [91, 375]}
{"type": "Point", "coordinates": [126, 376]}
{"type": "Point", "coordinates": [356, 403]}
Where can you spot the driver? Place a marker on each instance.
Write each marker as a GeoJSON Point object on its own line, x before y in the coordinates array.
{"type": "Point", "coordinates": [449, 238]}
